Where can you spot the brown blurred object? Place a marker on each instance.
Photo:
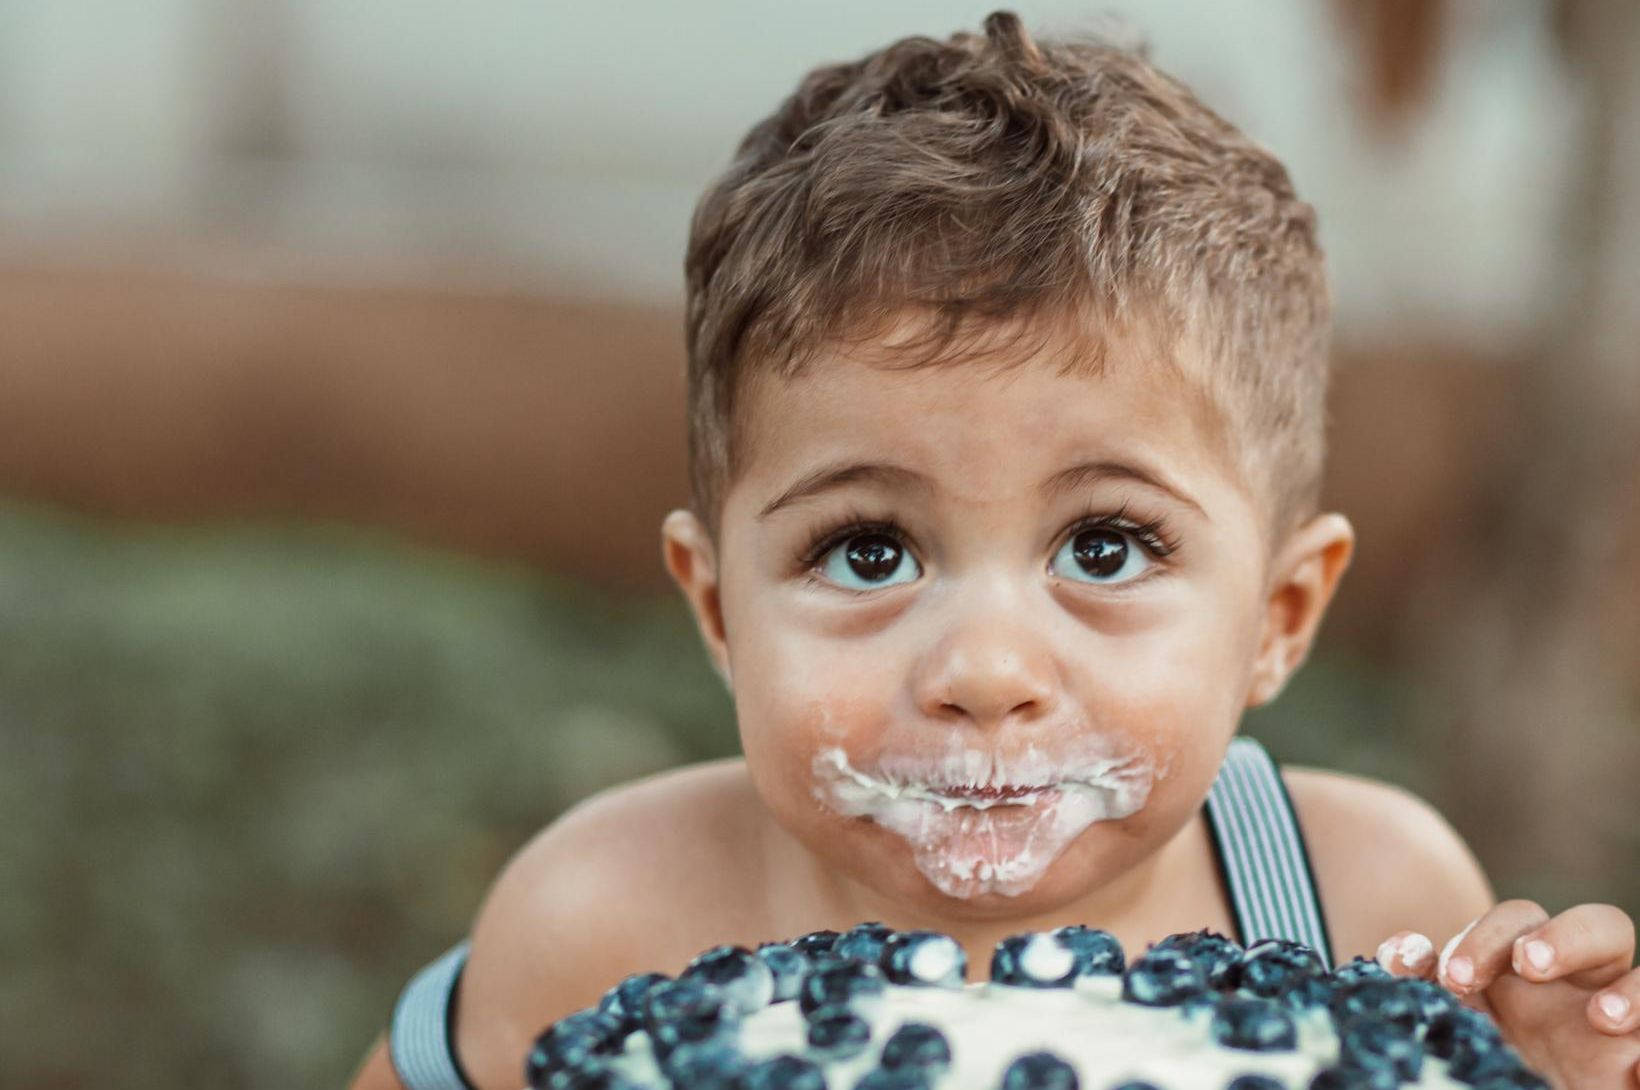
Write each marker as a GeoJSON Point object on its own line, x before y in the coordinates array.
{"type": "Point", "coordinates": [1527, 636]}
{"type": "Point", "coordinates": [1399, 42]}
{"type": "Point", "coordinates": [550, 432]}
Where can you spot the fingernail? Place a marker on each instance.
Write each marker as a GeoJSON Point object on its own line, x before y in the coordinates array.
{"type": "Point", "coordinates": [1540, 954]}
{"type": "Point", "coordinates": [1460, 971]}
{"type": "Point", "coordinates": [1614, 1006]}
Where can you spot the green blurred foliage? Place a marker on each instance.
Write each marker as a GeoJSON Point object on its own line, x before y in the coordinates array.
{"type": "Point", "coordinates": [252, 778]}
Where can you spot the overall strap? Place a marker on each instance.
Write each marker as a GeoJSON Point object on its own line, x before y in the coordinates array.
{"type": "Point", "coordinates": [1262, 853]}
{"type": "Point", "coordinates": [419, 1043]}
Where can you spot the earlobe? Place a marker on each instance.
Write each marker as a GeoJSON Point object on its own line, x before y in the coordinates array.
{"type": "Point", "coordinates": [1306, 575]}
{"type": "Point", "coordinates": [691, 560]}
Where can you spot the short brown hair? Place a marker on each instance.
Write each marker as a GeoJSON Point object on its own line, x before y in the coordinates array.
{"type": "Point", "coordinates": [991, 180]}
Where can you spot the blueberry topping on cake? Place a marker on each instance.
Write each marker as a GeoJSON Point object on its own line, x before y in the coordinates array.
{"type": "Point", "coordinates": [1254, 1082]}
{"type": "Point", "coordinates": [1219, 957]}
{"type": "Point", "coordinates": [863, 942]}
{"type": "Point", "coordinates": [1098, 953]}
{"type": "Point", "coordinates": [838, 1033]}
{"type": "Point", "coordinates": [1277, 968]}
{"type": "Point", "coordinates": [1359, 968]}
{"type": "Point", "coordinates": [572, 1041]}
{"type": "Point", "coordinates": [1257, 1025]}
{"type": "Point", "coordinates": [924, 959]}
{"type": "Point", "coordinates": [1388, 1001]}
{"type": "Point", "coordinates": [1193, 1011]}
{"type": "Point", "coordinates": [1163, 978]}
{"type": "Point", "coordinates": [705, 1065]}
{"type": "Point", "coordinates": [1037, 960]}
{"type": "Point", "coordinates": [892, 1078]}
{"type": "Point", "coordinates": [783, 1073]}
{"type": "Point", "coordinates": [815, 943]}
{"type": "Point", "coordinates": [840, 983]}
{"type": "Point", "coordinates": [786, 965]}
{"type": "Point", "coordinates": [1339, 1077]}
{"type": "Point", "coordinates": [1040, 1071]}
{"type": "Point", "coordinates": [745, 982]}
{"type": "Point", "coordinates": [1374, 1045]}
{"type": "Point", "coordinates": [920, 1046]}
{"type": "Point", "coordinates": [625, 1000]}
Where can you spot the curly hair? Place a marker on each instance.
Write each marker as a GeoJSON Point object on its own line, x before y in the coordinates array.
{"type": "Point", "coordinates": [990, 181]}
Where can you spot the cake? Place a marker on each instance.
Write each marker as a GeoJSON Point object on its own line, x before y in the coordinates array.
{"type": "Point", "coordinates": [876, 1009]}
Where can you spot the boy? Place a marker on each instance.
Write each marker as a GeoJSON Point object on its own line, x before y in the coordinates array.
{"type": "Point", "coordinates": [1007, 369]}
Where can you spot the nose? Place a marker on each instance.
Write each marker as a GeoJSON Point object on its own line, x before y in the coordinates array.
{"type": "Point", "coordinates": [987, 667]}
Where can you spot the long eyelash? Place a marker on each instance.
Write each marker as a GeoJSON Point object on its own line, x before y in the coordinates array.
{"type": "Point", "coordinates": [1154, 534]}
{"type": "Point", "coordinates": [852, 523]}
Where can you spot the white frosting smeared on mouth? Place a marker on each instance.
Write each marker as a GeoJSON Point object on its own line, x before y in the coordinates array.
{"type": "Point", "coordinates": [982, 822]}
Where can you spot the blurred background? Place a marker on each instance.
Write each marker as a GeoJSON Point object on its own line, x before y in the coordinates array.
{"type": "Point", "coordinates": [341, 385]}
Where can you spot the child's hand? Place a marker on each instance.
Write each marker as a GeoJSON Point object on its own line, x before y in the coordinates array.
{"type": "Point", "coordinates": [1563, 991]}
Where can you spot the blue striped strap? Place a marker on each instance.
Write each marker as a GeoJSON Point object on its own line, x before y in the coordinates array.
{"type": "Point", "coordinates": [420, 1041]}
{"type": "Point", "coordinates": [1272, 887]}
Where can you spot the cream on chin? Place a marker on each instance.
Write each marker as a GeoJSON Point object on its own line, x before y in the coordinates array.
{"type": "Point", "coordinates": [981, 821]}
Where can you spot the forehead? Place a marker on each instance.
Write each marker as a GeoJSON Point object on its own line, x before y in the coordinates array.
{"type": "Point", "coordinates": [979, 426]}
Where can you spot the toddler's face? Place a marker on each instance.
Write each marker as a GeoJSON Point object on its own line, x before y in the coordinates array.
{"type": "Point", "coordinates": [988, 632]}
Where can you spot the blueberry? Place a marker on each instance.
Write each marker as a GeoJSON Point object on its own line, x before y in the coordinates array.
{"type": "Point", "coordinates": [593, 1075]}
{"type": "Point", "coordinates": [1373, 1045]}
{"type": "Point", "coordinates": [1163, 978]}
{"type": "Point", "coordinates": [1478, 1065]}
{"type": "Point", "coordinates": [815, 943]}
{"type": "Point", "coordinates": [1461, 1030]}
{"type": "Point", "coordinates": [1098, 953]}
{"type": "Point", "coordinates": [786, 965]}
{"type": "Point", "coordinates": [1255, 1082]}
{"type": "Point", "coordinates": [1432, 999]}
{"type": "Point", "coordinates": [925, 958]}
{"type": "Point", "coordinates": [1352, 1078]}
{"type": "Point", "coordinates": [746, 982]}
{"type": "Point", "coordinates": [1034, 960]}
{"type": "Point", "coordinates": [1513, 1080]}
{"type": "Point", "coordinates": [918, 1045]}
{"type": "Point", "coordinates": [893, 1078]}
{"type": "Point", "coordinates": [1277, 968]}
{"type": "Point", "coordinates": [1040, 1071]}
{"type": "Point", "coordinates": [625, 1000]}
{"type": "Point", "coordinates": [1358, 969]}
{"type": "Point", "coordinates": [1219, 957]}
{"type": "Point", "coordinates": [1258, 1025]}
{"type": "Point", "coordinates": [862, 942]}
{"type": "Point", "coordinates": [1386, 1000]}
{"type": "Point", "coordinates": [1141, 1084]}
{"type": "Point", "coordinates": [679, 1012]}
{"type": "Point", "coordinates": [783, 1072]}
{"type": "Point", "coordinates": [837, 1033]}
{"type": "Point", "coordinates": [572, 1041]}
{"type": "Point", "coordinates": [705, 1065]}
{"type": "Point", "coordinates": [841, 982]}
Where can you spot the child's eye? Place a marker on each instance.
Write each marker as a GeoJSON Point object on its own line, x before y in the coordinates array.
{"type": "Point", "coordinates": [1100, 554]}
{"type": "Point", "coordinates": [868, 561]}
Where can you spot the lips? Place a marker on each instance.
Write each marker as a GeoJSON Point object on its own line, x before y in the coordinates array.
{"type": "Point", "coordinates": [1000, 795]}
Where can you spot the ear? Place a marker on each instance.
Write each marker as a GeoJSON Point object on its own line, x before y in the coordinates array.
{"type": "Point", "coordinates": [691, 559]}
{"type": "Point", "coordinates": [1305, 574]}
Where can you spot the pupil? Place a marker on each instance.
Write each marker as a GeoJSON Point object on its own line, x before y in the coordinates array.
{"type": "Point", "coordinates": [873, 556]}
{"type": "Point", "coordinates": [1101, 552]}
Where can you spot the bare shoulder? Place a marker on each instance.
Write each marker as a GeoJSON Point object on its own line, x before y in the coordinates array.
{"type": "Point", "coordinates": [1385, 861]}
{"type": "Point", "coordinates": [632, 879]}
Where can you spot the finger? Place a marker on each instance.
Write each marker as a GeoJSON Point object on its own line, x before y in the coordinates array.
{"type": "Point", "coordinates": [1407, 953]}
{"type": "Point", "coordinates": [1616, 1009]}
{"type": "Point", "coordinates": [1478, 953]}
{"type": "Point", "coordinates": [1595, 940]}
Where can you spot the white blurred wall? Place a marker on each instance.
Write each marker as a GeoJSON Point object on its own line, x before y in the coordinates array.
{"type": "Point", "coordinates": [560, 147]}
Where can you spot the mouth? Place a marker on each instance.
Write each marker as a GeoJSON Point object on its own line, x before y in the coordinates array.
{"type": "Point", "coordinates": [995, 795]}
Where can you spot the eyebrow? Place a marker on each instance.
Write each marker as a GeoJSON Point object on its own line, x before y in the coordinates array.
{"type": "Point", "coordinates": [890, 476]}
